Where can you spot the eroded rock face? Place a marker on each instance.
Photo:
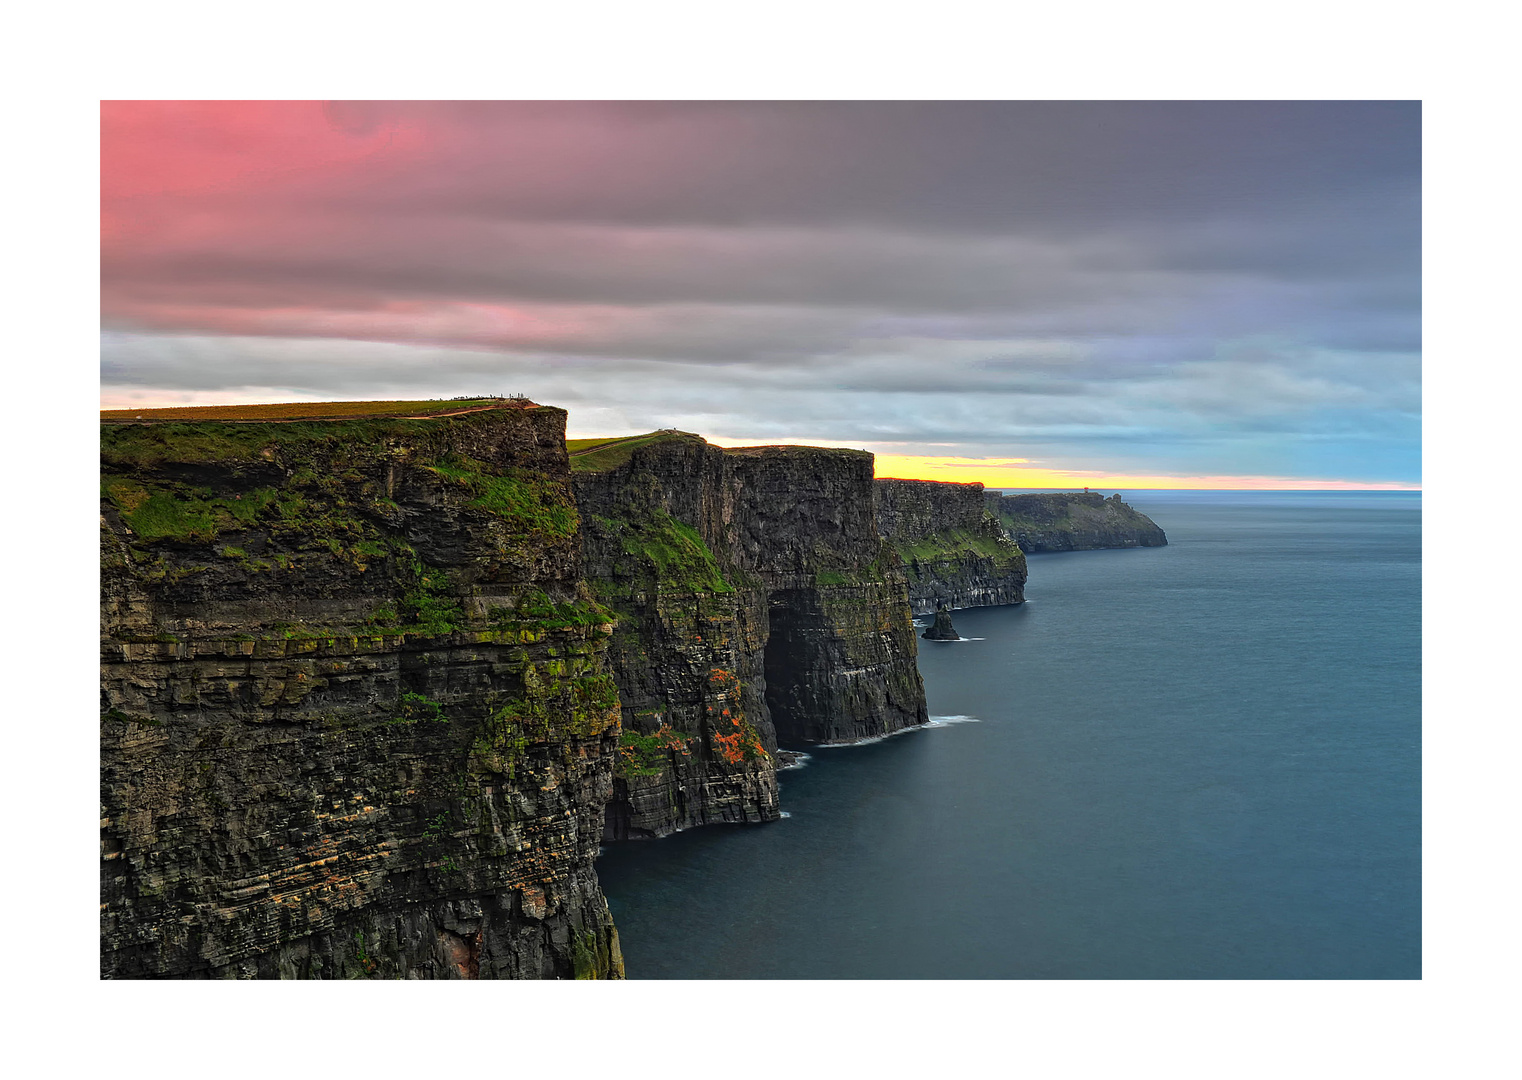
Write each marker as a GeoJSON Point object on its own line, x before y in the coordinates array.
{"type": "Point", "coordinates": [359, 708]}
{"type": "Point", "coordinates": [954, 552]}
{"type": "Point", "coordinates": [697, 744]}
{"type": "Point", "coordinates": [356, 714]}
{"type": "Point", "coordinates": [756, 604]}
{"type": "Point", "coordinates": [1073, 521]}
{"type": "Point", "coordinates": [841, 653]}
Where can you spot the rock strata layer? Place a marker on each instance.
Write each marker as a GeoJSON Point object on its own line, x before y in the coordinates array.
{"type": "Point", "coordinates": [755, 603]}
{"type": "Point", "coordinates": [953, 550]}
{"type": "Point", "coordinates": [356, 715]}
{"type": "Point", "coordinates": [1072, 521]}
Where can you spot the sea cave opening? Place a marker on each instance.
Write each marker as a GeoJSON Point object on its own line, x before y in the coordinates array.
{"type": "Point", "coordinates": [797, 634]}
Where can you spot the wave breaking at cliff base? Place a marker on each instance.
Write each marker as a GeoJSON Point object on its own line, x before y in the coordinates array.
{"type": "Point", "coordinates": [933, 722]}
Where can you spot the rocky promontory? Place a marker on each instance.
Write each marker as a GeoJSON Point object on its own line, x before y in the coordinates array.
{"type": "Point", "coordinates": [953, 550]}
{"type": "Point", "coordinates": [1072, 521]}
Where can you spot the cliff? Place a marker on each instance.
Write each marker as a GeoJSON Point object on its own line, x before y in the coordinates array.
{"type": "Point", "coordinates": [756, 604]}
{"type": "Point", "coordinates": [953, 550]}
{"type": "Point", "coordinates": [356, 713]}
{"type": "Point", "coordinates": [686, 649]}
{"type": "Point", "coordinates": [1072, 521]}
{"type": "Point", "coordinates": [376, 679]}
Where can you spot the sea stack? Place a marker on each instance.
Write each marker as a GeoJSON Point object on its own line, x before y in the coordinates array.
{"type": "Point", "coordinates": [942, 630]}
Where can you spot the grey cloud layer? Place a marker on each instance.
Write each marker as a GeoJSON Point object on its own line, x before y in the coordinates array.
{"type": "Point", "coordinates": [1201, 287]}
{"type": "Point", "coordinates": [969, 166]}
{"type": "Point", "coordinates": [1228, 414]}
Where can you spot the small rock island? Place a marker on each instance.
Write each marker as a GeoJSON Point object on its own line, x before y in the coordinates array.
{"type": "Point", "coordinates": [942, 630]}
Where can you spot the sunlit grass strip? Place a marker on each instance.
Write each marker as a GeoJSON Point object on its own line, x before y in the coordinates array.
{"type": "Point", "coordinates": [599, 455]}
{"type": "Point", "coordinates": [296, 410]}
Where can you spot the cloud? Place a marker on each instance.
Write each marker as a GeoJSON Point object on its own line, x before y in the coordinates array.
{"type": "Point", "coordinates": [975, 167]}
{"type": "Point", "coordinates": [1061, 408]}
{"type": "Point", "coordinates": [1126, 281]}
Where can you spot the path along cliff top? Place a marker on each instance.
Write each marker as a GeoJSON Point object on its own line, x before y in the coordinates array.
{"type": "Point", "coordinates": [287, 412]}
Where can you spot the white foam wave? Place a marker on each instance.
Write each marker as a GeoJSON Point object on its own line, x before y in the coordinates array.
{"type": "Point", "coordinates": [866, 742]}
{"type": "Point", "coordinates": [784, 813]}
{"type": "Point", "coordinates": [933, 722]}
{"type": "Point", "coordinates": [796, 759]}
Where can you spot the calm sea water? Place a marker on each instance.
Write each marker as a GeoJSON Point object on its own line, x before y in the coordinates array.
{"type": "Point", "coordinates": [1197, 761]}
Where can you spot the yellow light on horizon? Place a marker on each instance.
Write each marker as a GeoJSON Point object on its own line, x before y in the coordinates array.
{"type": "Point", "coordinates": [1018, 473]}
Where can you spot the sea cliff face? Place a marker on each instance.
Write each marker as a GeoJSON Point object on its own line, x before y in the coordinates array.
{"type": "Point", "coordinates": [687, 647]}
{"type": "Point", "coordinates": [356, 715]}
{"type": "Point", "coordinates": [1072, 521]}
{"type": "Point", "coordinates": [953, 550]}
{"type": "Point", "coordinates": [755, 603]}
{"type": "Point", "coordinates": [373, 690]}
{"type": "Point", "coordinates": [841, 651]}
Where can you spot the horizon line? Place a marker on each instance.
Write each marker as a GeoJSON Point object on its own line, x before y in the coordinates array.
{"type": "Point", "coordinates": [1116, 487]}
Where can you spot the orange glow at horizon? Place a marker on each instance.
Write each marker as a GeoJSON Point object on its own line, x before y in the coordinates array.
{"type": "Point", "coordinates": [1018, 473]}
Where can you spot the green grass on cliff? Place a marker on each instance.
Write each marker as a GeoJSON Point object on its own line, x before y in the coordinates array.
{"type": "Point", "coordinates": [527, 501]}
{"type": "Point", "coordinates": [323, 463]}
{"type": "Point", "coordinates": [677, 555]}
{"type": "Point", "coordinates": [562, 699]}
{"type": "Point", "coordinates": [289, 503]}
{"type": "Point", "coordinates": [136, 446]}
{"type": "Point", "coordinates": [418, 709]}
{"type": "Point", "coordinates": [292, 410]}
{"type": "Point", "coordinates": [430, 606]}
{"type": "Point", "coordinates": [867, 574]}
{"type": "Point", "coordinates": [1021, 526]}
{"type": "Point", "coordinates": [648, 755]}
{"type": "Point", "coordinates": [951, 543]}
{"type": "Point", "coordinates": [536, 609]}
{"type": "Point", "coordinates": [160, 513]}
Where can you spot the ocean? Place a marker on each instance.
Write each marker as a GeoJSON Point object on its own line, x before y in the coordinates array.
{"type": "Point", "coordinates": [1201, 761]}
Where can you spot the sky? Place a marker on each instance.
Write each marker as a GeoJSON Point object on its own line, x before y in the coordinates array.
{"type": "Point", "coordinates": [1029, 294]}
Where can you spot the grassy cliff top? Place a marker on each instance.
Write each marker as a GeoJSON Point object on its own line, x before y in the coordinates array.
{"type": "Point", "coordinates": [798, 449]}
{"type": "Point", "coordinates": [312, 410]}
{"type": "Point", "coordinates": [208, 435]}
{"type": "Point", "coordinates": [602, 454]}
{"type": "Point", "coordinates": [925, 484]}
